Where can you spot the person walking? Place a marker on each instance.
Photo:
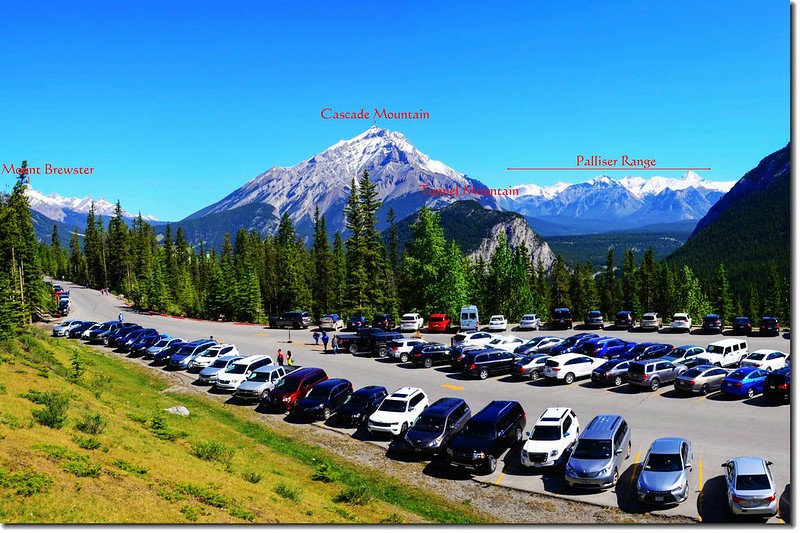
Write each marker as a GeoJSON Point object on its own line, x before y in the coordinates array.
{"type": "Point", "coordinates": [120, 318]}
{"type": "Point", "coordinates": [335, 344]}
{"type": "Point", "coordinates": [289, 358]}
{"type": "Point", "coordinates": [280, 357]}
{"type": "Point", "coordinates": [316, 338]}
{"type": "Point", "coordinates": [325, 340]}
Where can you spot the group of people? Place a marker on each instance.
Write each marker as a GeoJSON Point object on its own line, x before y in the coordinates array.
{"type": "Point", "coordinates": [289, 358]}
{"type": "Point", "coordinates": [324, 338]}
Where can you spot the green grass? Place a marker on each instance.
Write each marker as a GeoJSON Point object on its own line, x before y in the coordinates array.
{"type": "Point", "coordinates": [26, 482]}
{"type": "Point", "coordinates": [122, 464]}
{"type": "Point", "coordinates": [212, 451]}
{"type": "Point", "coordinates": [289, 492]}
{"type": "Point", "coordinates": [354, 496]}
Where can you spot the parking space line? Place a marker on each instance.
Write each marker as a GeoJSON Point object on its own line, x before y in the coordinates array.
{"type": "Point", "coordinates": [261, 334]}
{"type": "Point", "coordinates": [700, 486]}
{"type": "Point", "coordinates": [499, 479]}
{"type": "Point", "coordinates": [633, 475]}
{"type": "Point", "coordinates": [452, 387]}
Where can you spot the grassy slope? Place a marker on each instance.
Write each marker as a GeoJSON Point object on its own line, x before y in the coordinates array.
{"type": "Point", "coordinates": [177, 486]}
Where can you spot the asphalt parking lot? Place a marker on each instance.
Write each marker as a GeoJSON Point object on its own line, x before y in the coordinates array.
{"type": "Point", "coordinates": [719, 428]}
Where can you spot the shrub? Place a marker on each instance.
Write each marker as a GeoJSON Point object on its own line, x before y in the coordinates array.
{"type": "Point", "coordinates": [252, 477]}
{"type": "Point", "coordinates": [203, 494]}
{"type": "Point", "coordinates": [78, 366]}
{"type": "Point", "coordinates": [87, 443]}
{"type": "Point", "coordinates": [26, 482]}
{"type": "Point", "coordinates": [287, 491]}
{"type": "Point", "coordinates": [56, 452]}
{"type": "Point", "coordinates": [393, 518]}
{"type": "Point", "coordinates": [344, 513]}
{"type": "Point", "coordinates": [55, 404]}
{"type": "Point", "coordinates": [91, 423]}
{"type": "Point", "coordinates": [158, 427]}
{"type": "Point", "coordinates": [82, 468]}
{"type": "Point", "coordinates": [191, 513]}
{"type": "Point", "coordinates": [129, 467]}
{"type": "Point", "coordinates": [240, 512]}
{"type": "Point", "coordinates": [354, 496]}
{"type": "Point", "coordinates": [324, 473]}
{"type": "Point", "coordinates": [212, 451]}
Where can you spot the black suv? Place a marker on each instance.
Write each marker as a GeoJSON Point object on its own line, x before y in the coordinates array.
{"type": "Point", "coordinates": [486, 362]}
{"type": "Point", "coordinates": [323, 399]}
{"type": "Point", "coordinates": [742, 325]}
{"type": "Point", "coordinates": [434, 428]}
{"type": "Point", "coordinates": [769, 326]}
{"type": "Point", "coordinates": [430, 354]}
{"type": "Point", "coordinates": [360, 405]}
{"type": "Point", "coordinates": [486, 436]}
{"type": "Point", "coordinates": [776, 385]}
{"type": "Point", "coordinates": [561, 318]}
{"type": "Point", "coordinates": [384, 321]}
{"type": "Point", "coordinates": [292, 319]}
{"type": "Point", "coordinates": [624, 319]}
{"type": "Point", "coordinates": [712, 323]}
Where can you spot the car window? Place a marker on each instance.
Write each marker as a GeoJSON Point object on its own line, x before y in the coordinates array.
{"type": "Point", "coordinates": [573, 361]}
{"type": "Point", "coordinates": [567, 424]}
{"type": "Point", "coordinates": [415, 400]}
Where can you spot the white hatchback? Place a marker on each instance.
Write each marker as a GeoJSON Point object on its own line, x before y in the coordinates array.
{"type": "Point", "coordinates": [411, 322]}
{"type": "Point", "coordinates": [400, 348]}
{"type": "Point", "coordinates": [498, 323]}
{"type": "Point", "coordinates": [207, 357]}
{"type": "Point", "coordinates": [569, 366]}
{"type": "Point", "coordinates": [398, 411]}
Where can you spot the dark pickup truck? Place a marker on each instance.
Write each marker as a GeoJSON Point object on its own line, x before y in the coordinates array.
{"type": "Point", "coordinates": [370, 340]}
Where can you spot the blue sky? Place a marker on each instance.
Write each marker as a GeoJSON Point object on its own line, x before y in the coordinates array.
{"type": "Point", "coordinates": [176, 104]}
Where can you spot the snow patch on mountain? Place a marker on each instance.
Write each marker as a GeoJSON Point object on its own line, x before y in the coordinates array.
{"type": "Point", "coordinates": [57, 207]}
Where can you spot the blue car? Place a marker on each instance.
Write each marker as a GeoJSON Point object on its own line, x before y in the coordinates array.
{"type": "Point", "coordinates": [744, 382]}
{"type": "Point", "coordinates": [605, 347]}
{"type": "Point", "coordinates": [164, 355]}
{"type": "Point", "coordinates": [357, 322]}
{"type": "Point", "coordinates": [570, 344]}
{"type": "Point", "coordinates": [186, 353]}
{"type": "Point", "coordinates": [646, 350]}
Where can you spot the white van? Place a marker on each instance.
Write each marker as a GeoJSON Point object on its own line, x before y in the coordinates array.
{"type": "Point", "coordinates": [238, 371]}
{"type": "Point", "coordinates": [728, 352]}
{"type": "Point", "coordinates": [469, 318]}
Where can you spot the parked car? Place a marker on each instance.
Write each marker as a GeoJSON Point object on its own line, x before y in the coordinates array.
{"type": "Point", "coordinates": [604, 347]}
{"type": "Point", "coordinates": [726, 352]}
{"type": "Point", "coordinates": [208, 356]}
{"type": "Point", "coordinates": [458, 356]}
{"type": "Point", "coordinates": [594, 319]}
{"type": "Point", "coordinates": [438, 323]}
{"type": "Point", "coordinates": [612, 372]}
{"type": "Point", "coordinates": [664, 479]}
{"type": "Point", "coordinates": [529, 366]}
{"type": "Point", "coordinates": [646, 350]}
{"type": "Point", "coordinates": [292, 319]}
{"type": "Point", "coordinates": [486, 436]}
{"type": "Point", "coordinates": [96, 335]}
{"type": "Point", "coordinates": [503, 342]}
{"type": "Point", "coordinates": [681, 322]}
{"type": "Point", "coordinates": [237, 372]}
{"type": "Point", "coordinates": [599, 454]}
{"type": "Point", "coordinates": [570, 366]}
{"type": "Point", "coordinates": [497, 323]}
{"type": "Point", "coordinates": [411, 322]}
{"type": "Point", "coordinates": [624, 320]}
{"type": "Point", "coordinates": [767, 359]}
{"type": "Point", "coordinates": [183, 356]}
{"type": "Point", "coordinates": [383, 321]}
{"type": "Point", "coordinates": [684, 351]}
{"type": "Point", "coordinates": [751, 489]}
{"type": "Point", "coordinates": [701, 379]}
{"type": "Point", "coordinates": [209, 374]}
{"type": "Point", "coordinates": [112, 339]}
{"type": "Point", "coordinates": [434, 429]}
{"type": "Point", "coordinates": [161, 357]}
{"type": "Point", "coordinates": [561, 318]}
{"type": "Point", "coordinates": [537, 344]}
{"type": "Point", "coordinates": [651, 320]}
{"type": "Point", "coordinates": [651, 374]}
{"type": "Point", "coordinates": [769, 326]}
{"type": "Point", "coordinates": [776, 385]}
{"type": "Point", "coordinates": [476, 338]}
{"type": "Point", "coordinates": [356, 322]}
{"type": "Point", "coordinates": [744, 382]}
{"type": "Point", "coordinates": [127, 343]}
{"type": "Point", "coordinates": [360, 405]}
{"type": "Point", "coordinates": [712, 323]}
{"type": "Point", "coordinates": [742, 325]}
{"type": "Point", "coordinates": [373, 341]}
{"type": "Point", "coordinates": [470, 320]}
{"type": "Point", "coordinates": [398, 411]}
{"type": "Point", "coordinates": [488, 362]}
{"type": "Point", "coordinates": [571, 344]}
{"type": "Point", "coordinates": [530, 321]}
{"type": "Point", "coordinates": [429, 354]}
{"type": "Point", "coordinates": [144, 342]}
{"type": "Point", "coordinates": [62, 329]}
{"type": "Point", "coordinates": [401, 348]}
{"type": "Point", "coordinates": [260, 381]}
{"type": "Point", "coordinates": [77, 331]}
{"type": "Point", "coordinates": [331, 322]}
{"type": "Point", "coordinates": [690, 362]}
{"type": "Point", "coordinates": [293, 387]}
{"type": "Point", "coordinates": [551, 439]}
{"type": "Point", "coordinates": [323, 399]}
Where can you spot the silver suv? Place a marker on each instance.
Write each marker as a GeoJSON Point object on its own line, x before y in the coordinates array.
{"type": "Point", "coordinates": [651, 374]}
{"type": "Point", "coordinates": [599, 454]}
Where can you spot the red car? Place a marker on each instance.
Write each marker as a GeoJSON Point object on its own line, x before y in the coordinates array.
{"type": "Point", "coordinates": [293, 387]}
{"type": "Point", "coordinates": [438, 322]}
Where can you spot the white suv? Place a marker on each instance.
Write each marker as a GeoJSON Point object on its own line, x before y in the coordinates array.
{"type": "Point", "coordinates": [681, 322]}
{"type": "Point", "coordinates": [398, 411]}
{"type": "Point", "coordinates": [553, 435]}
{"type": "Point", "coordinates": [400, 348]}
{"type": "Point", "coordinates": [411, 322]}
{"type": "Point", "coordinates": [651, 320]}
{"type": "Point", "coordinates": [498, 323]}
{"type": "Point", "coordinates": [203, 359]}
{"type": "Point", "coordinates": [569, 366]}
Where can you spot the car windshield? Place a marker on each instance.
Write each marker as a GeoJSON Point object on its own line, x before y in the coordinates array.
{"type": "Point", "coordinates": [592, 449]}
{"type": "Point", "coordinates": [319, 392]}
{"type": "Point", "coordinates": [409, 317]}
{"type": "Point", "coordinates": [693, 373]}
{"type": "Point", "coordinates": [357, 399]}
{"type": "Point", "coordinates": [568, 342]}
{"type": "Point", "coordinates": [393, 406]}
{"type": "Point", "coordinates": [220, 364]}
{"type": "Point", "coordinates": [436, 319]}
{"type": "Point", "coordinates": [459, 338]}
{"type": "Point", "coordinates": [561, 314]}
{"type": "Point", "coordinates": [479, 430]}
{"type": "Point", "coordinates": [259, 377]}
{"type": "Point", "coordinates": [640, 348]}
{"type": "Point", "coordinates": [288, 384]}
{"type": "Point", "coordinates": [757, 356]}
{"type": "Point", "coordinates": [714, 349]}
{"type": "Point", "coordinates": [664, 462]}
{"type": "Point", "coordinates": [527, 317]}
{"type": "Point", "coordinates": [525, 360]}
{"type": "Point", "coordinates": [677, 353]}
{"type": "Point", "coordinates": [741, 321]}
{"type": "Point", "coordinates": [546, 433]}
{"type": "Point", "coordinates": [739, 374]}
{"type": "Point", "coordinates": [429, 424]}
{"type": "Point", "coordinates": [605, 367]}
{"type": "Point", "coordinates": [161, 343]}
{"type": "Point", "coordinates": [752, 482]}
{"type": "Point", "coordinates": [185, 350]}
{"type": "Point", "coordinates": [236, 369]}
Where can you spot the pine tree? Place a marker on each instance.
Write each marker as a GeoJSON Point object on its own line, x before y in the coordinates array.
{"type": "Point", "coordinates": [629, 288]}
{"type": "Point", "coordinates": [453, 283]}
{"type": "Point", "coordinates": [339, 275]}
{"type": "Point", "coordinates": [542, 292]}
{"type": "Point", "coordinates": [323, 267]}
{"type": "Point", "coordinates": [610, 297]}
{"type": "Point", "coordinates": [357, 278]}
{"type": "Point", "coordinates": [374, 248]}
{"type": "Point", "coordinates": [559, 284]}
{"type": "Point", "coordinates": [521, 299]}
{"type": "Point", "coordinates": [723, 300]}
{"type": "Point", "coordinates": [57, 270]}
{"type": "Point", "coordinates": [647, 280]}
{"type": "Point", "coordinates": [77, 261]}
{"type": "Point", "coordinates": [119, 253]}
{"type": "Point", "coordinates": [423, 262]}
{"type": "Point", "coordinates": [692, 300]}
{"type": "Point", "coordinates": [753, 303]}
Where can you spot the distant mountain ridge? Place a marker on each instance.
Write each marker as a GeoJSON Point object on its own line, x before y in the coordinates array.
{"type": "Point", "coordinates": [72, 211]}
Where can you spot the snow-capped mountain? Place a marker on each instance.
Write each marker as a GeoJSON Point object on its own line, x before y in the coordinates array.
{"type": "Point", "coordinates": [71, 211]}
{"type": "Point", "coordinates": [603, 204]}
{"type": "Point", "coordinates": [395, 166]}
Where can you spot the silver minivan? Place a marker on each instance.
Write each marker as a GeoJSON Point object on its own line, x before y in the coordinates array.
{"type": "Point", "coordinates": [599, 453]}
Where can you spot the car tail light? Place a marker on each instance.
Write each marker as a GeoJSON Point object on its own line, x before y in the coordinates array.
{"type": "Point", "coordinates": [394, 348]}
{"type": "Point", "coordinates": [690, 382]}
{"type": "Point", "coordinates": [736, 384]}
{"type": "Point", "coordinates": [783, 386]}
{"type": "Point", "coordinates": [472, 366]}
{"type": "Point", "coordinates": [738, 499]}
{"type": "Point", "coordinates": [556, 370]}
{"type": "Point", "coordinates": [770, 498]}
{"type": "Point", "coordinates": [644, 377]}
{"type": "Point", "coordinates": [597, 350]}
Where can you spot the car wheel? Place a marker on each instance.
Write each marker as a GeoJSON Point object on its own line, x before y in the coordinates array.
{"type": "Point", "coordinates": [383, 352]}
{"type": "Point", "coordinates": [616, 476]}
{"type": "Point", "coordinates": [629, 450]}
{"type": "Point", "coordinates": [491, 465]}
{"type": "Point", "coordinates": [534, 375]}
{"type": "Point", "coordinates": [353, 349]}
{"type": "Point", "coordinates": [618, 381]}
{"type": "Point", "coordinates": [484, 374]}
{"type": "Point", "coordinates": [705, 389]}
{"type": "Point", "coordinates": [518, 435]}
{"type": "Point", "coordinates": [428, 362]}
{"type": "Point", "coordinates": [326, 414]}
{"type": "Point", "coordinates": [569, 378]}
{"type": "Point", "coordinates": [404, 358]}
{"type": "Point", "coordinates": [751, 392]}
{"type": "Point", "coordinates": [404, 428]}
{"type": "Point", "coordinates": [654, 385]}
